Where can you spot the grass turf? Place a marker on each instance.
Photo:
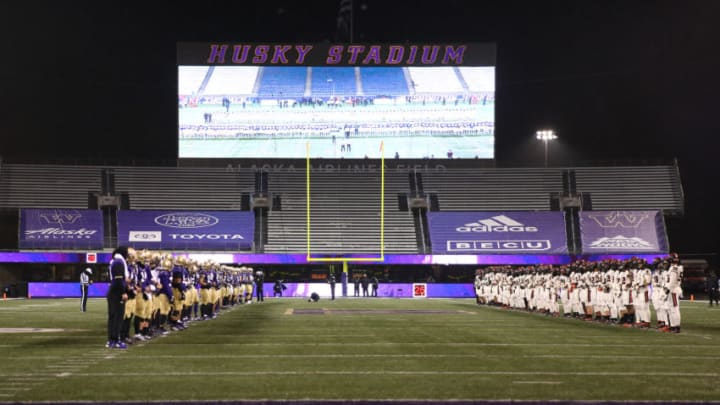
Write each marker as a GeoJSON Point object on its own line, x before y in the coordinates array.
{"type": "Point", "coordinates": [357, 349]}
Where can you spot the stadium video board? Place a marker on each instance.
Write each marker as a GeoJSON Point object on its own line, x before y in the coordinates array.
{"type": "Point", "coordinates": [336, 100]}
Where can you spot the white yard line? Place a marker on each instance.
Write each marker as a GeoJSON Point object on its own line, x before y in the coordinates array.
{"type": "Point", "coordinates": [403, 372]}
{"type": "Point", "coordinates": [75, 363]}
{"type": "Point", "coordinates": [662, 345]}
{"type": "Point", "coordinates": [538, 382]}
{"type": "Point", "coordinates": [44, 336]}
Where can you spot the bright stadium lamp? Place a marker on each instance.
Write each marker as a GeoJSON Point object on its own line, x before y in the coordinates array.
{"type": "Point", "coordinates": [546, 135]}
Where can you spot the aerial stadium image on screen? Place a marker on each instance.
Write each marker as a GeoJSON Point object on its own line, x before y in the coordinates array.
{"type": "Point", "coordinates": [336, 112]}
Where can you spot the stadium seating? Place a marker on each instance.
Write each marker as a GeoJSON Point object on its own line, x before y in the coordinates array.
{"type": "Point", "coordinates": [382, 81]}
{"type": "Point", "coordinates": [506, 189]}
{"type": "Point", "coordinates": [479, 79]}
{"type": "Point", "coordinates": [232, 81]}
{"type": "Point", "coordinates": [184, 188]}
{"type": "Point", "coordinates": [345, 214]}
{"type": "Point", "coordinates": [332, 81]}
{"type": "Point", "coordinates": [47, 186]}
{"type": "Point", "coordinates": [345, 205]}
{"type": "Point", "coordinates": [282, 82]}
{"type": "Point", "coordinates": [190, 79]}
{"type": "Point", "coordinates": [632, 187]}
{"type": "Point", "coordinates": [428, 80]}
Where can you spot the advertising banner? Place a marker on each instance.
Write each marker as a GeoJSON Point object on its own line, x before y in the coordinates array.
{"type": "Point", "coordinates": [188, 230]}
{"type": "Point", "coordinates": [518, 232]}
{"type": "Point", "coordinates": [60, 229]}
{"type": "Point", "coordinates": [66, 290]}
{"type": "Point", "coordinates": [623, 232]}
{"type": "Point", "coordinates": [294, 290]}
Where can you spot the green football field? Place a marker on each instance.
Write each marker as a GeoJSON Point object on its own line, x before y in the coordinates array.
{"type": "Point", "coordinates": [321, 146]}
{"type": "Point", "coordinates": [355, 349]}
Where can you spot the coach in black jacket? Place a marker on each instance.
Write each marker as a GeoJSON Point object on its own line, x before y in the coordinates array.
{"type": "Point", "coordinates": [116, 297]}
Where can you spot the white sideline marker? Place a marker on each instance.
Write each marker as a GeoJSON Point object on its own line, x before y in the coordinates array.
{"type": "Point", "coordinates": [538, 382]}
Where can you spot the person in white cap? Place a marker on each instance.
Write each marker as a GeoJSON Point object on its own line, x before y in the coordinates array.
{"type": "Point", "coordinates": [85, 282]}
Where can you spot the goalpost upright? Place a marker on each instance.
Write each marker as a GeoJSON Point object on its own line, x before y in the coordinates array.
{"type": "Point", "coordinates": [345, 260]}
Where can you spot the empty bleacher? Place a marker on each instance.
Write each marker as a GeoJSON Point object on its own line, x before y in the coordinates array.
{"type": "Point", "coordinates": [190, 78]}
{"type": "Point", "coordinates": [186, 188]}
{"type": "Point", "coordinates": [345, 205]}
{"type": "Point", "coordinates": [47, 186]}
{"type": "Point", "coordinates": [435, 80]}
{"type": "Point", "coordinates": [232, 81]}
{"type": "Point", "coordinates": [280, 82]}
{"type": "Point", "coordinates": [345, 214]}
{"type": "Point", "coordinates": [479, 79]}
{"type": "Point", "coordinates": [383, 81]}
{"type": "Point", "coordinates": [464, 189]}
{"type": "Point", "coordinates": [632, 187]}
{"type": "Point", "coordinates": [333, 81]}
{"type": "Point", "coordinates": [520, 189]}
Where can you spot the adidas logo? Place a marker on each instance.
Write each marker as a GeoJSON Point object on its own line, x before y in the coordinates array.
{"type": "Point", "coordinates": [621, 242]}
{"type": "Point", "coordinates": [498, 223]}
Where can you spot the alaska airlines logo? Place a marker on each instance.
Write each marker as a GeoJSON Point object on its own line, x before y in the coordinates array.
{"type": "Point", "coordinates": [55, 232]}
{"type": "Point", "coordinates": [616, 219]}
{"type": "Point", "coordinates": [498, 223]}
{"type": "Point", "coordinates": [61, 218]}
{"type": "Point", "coordinates": [185, 220]}
{"type": "Point", "coordinates": [622, 243]}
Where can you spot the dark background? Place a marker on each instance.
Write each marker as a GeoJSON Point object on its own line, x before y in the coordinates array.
{"type": "Point", "coordinates": [617, 80]}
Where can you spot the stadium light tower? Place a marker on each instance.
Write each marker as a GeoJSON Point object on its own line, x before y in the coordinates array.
{"type": "Point", "coordinates": [546, 135]}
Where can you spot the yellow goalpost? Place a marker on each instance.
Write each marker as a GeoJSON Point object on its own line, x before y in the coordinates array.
{"type": "Point", "coordinates": [345, 260]}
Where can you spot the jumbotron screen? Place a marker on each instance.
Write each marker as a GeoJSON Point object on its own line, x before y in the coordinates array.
{"type": "Point", "coordinates": [336, 101]}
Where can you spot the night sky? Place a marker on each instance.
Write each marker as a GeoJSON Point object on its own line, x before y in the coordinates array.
{"type": "Point", "coordinates": [615, 79]}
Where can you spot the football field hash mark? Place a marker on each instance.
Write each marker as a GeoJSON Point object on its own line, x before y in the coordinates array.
{"type": "Point", "coordinates": [30, 330]}
{"type": "Point", "coordinates": [538, 382]}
